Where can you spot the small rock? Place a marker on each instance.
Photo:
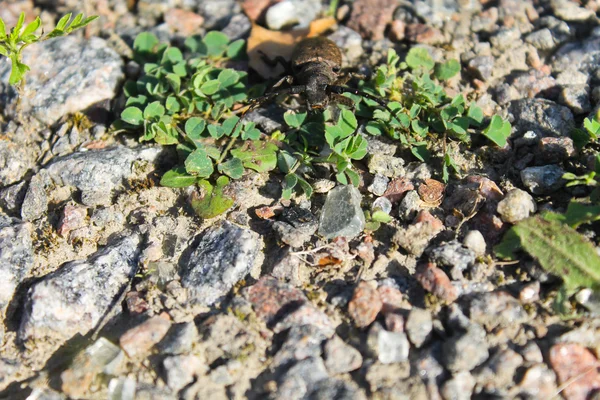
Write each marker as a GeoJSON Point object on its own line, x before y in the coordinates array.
{"type": "Point", "coordinates": [419, 326]}
{"type": "Point", "coordinates": [465, 351]}
{"type": "Point", "coordinates": [12, 197]}
{"type": "Point", "coordinates": [385, 376]}
{"type": "Point", "coordinates": [578, 366]}
{"type": "Point", "coordinates": [123, 388]}
{"type": "Point", "coordinates": [297, 227]}
{"type": "Point", "coordinates": [140, 339]}
{"type": "Point", "coordinates": [73, 217]}
{"type": "Point", "coordinates": [217, 13]}
{"type": "Point", "coordinates": [370, 17]}
{"type": "Point", "coordinates": [390, 347]}
{"type": "Point", "coordinates": [349, 41]}
{"type": "Point", "coordinates": [409, 206]}
{"type": "Point", "coordinates": [530, 293]}
{"type": "Point", "coordinates": [539, 382]}
{"type": "Point", "coordinates": [576, 97]}
{"type": "Point", "coordinates": [365, 305]}
{"type": "Point", "coordinates": [543, 180]}
{"type": "Point", "coordinates": [570, 12]}
{"type": "Point", "coordinates": [74, 298]}
{"type": "Point", "coordinates": [391, 298]}
{"type": "Point", "coordinates": [342, 214]}
{"type": "Point", "coordinates": [496, 309]}
{"type": "Point", "coordinates": [459, 387]}
{"type": "Point", "coordinates": [532, 353]}
{"type": "Point", "coordinates": [301, 342]}
{"type": "Point", "coordinates": [238, 27]}
{"type": "Point", "coordinates": [542, 40]}
{"type": "Point", "coordinates": [341, 357]}
{"type": "Point", "coordinates": [386, 165]}
{"type": "Point", "coordinates": [300, 379]}
{"type": "Point", "coordinates": [335, 389]}
{"type": "Point", "coordinates": [181, 370]}
{"type": "Point", "coordinates": [575, 54]}
{"type": "Point", "coordinates": [292, 12]}
{"type": "Point", "coordinates": [180, 339]}
{"type": "Point", "coordinates": [424, 34]}
{"type": "Point", "coordinates": [542, 116]}
{"type": "Point", "coordinates": [554, 150]}
{"type": "Point", "coordinates": [382, 204]}
{"type": "Point", "coordinates": [185, 22]}
{"type": "Point", "coordinates": [224, 255]}
{"type": "Point", "coordinates": [35, 203]}
{"type": "Point", "coordinates": [453, 254]}
{"type": "Point", "coordinates": [435, 281]}
{"type": "Point", "coordinates": [379, 185]}
{"type": "Point", "coordinates": [500, 369]}
{"type": "Point", "coordinates": [398, 188]}
{"type": "Point", "coordinates": [78, 71]}
{"type": "Point", "coordinates": [417, 236]}
{"type": "Point", "coordinates": [481, 67]}
{"type": "Point", "coordinates": [475, 241]}
{"type": "Point", "coordinates": [516, 206]}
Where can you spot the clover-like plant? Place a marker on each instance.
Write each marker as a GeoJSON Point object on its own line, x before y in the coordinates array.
{"type": "Point", "coordinates": [14, 42]}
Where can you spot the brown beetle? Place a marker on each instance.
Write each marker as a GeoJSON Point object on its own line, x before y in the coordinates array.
{"type": "Point", "coordinates": [315, 65]}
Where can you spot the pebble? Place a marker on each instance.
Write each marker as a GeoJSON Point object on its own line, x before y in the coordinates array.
{"type": "Point", "coordinates": [576, 365]}
{"type": "Point", "coordinates": [553, 150]}
{"type": "Point", "coordinates": [379, 185]}
{"type": "Point", "coordinates": [482, 67]}
{"type": "Point", "coordinates": [389, 347]}
{"type": "Point", "coordinates": [382, 204]}
{"type": "Point", "coordinates": [301, 342]}
{"type": "Point", "coordinates": [409, 206]}
{"type": "Point", "coordinates": [435, 281]}
{"type": "Point", "coordinates": [35, 202]}
{"type": "Point", "coordinates": [300, 379]}
{"type": "Point", "coordinates": [225, 254]}
{"type": "Point", "coordinates": [417, 236]}
{"type": "Point", "coordinates": [140, 339]}
{"type": "Point", "coordinates": [542, 40]}
{"type": "Point", "coordinates": [390, 296]}
{"type": "Point", "coordinates": [543, 180]}
{"type": "Point", "coordinates": [452, 254]}
{"type": "Point", "coordinates": [73, 217]}
{"type": "Point", "coordinates": [542, 116]}
{"type": "Point", "coordinates": [575, 54]}
{"type": "Point", "coordinates": [12, 197]}
{"type": "Point", "coordinates": [516, 206]}
{"type": "Point", "coordinates": [341, 357]}
{"type": "Point", "coordinates": [365, 305]}
{"type": "Point", "coordinates": [530, 293]}
{"type": "Point", "coordinates": [496, 309]}
{"type": "Point", "coordinates": [181, 370]}
{"type": "Point", "coordinates": [571, 12]}
{"type": "Point", "coordinates": [386, 165]}
{"type": "Point", "coordinates": [80, 72]}
{"type": "Point", "coordinates": [576, 97]}
{"type": "Point", "coordinates": [370, 17]}
{"type": "Point", "coordinates": [292, 12]}
{"type": "Point", "coordinates": [419, 326]}
{"type": "Point", "coordinates": [350, 42]}
{"type": "Point", "coordinates": [297, 227]}
{"type": "Point", "coordinates": [217, 13]}
{"type": "Point", "coordinates": [465, 351]}
{"type": "Point", "coordinates": [475, 241]}
{"type": "Point", "coordinates": [498, 372]}
{"type": "Point", "coordinates": [180, 339]}
{"type": "Point", "coordinates": [50, 311]}
{"type": "Point", "coordinates": [459, 387]}
{"type": "Point", "coordinates": [342, 214]}
{"type": "Point", "coordinates": [538, 383]}
{"type": "Point", "coordinates": [238, 27]}
{"type": "Point", "coordinates": [398, 188]}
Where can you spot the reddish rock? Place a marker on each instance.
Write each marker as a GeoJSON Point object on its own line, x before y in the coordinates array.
{"type": "Point", "coordinates": [391, 299]}
{"type": "Point", "coordinates": [576, 368]}
{"type": "Point", "coordinates": [365, 305]}
{"type": "Point", "coordinates": [142, 338]}
{"type": "Point", "coordinates": [397, 188]}
{"type": "Point", "coordinates": [254, 9]}
{"type": "Point", "coordinates": [135, 303]}
{"type": "Point", "coordinates": [555, 149]}
{"type": "Point", "coordinates": [426, 217]}
{"type": "Point", "coordinates": [370, 17]}
{"type": "Point", "coordinates": [185, 22]}
{"type": "Point", "coordinates": [73, 217]}
{"type": "Point", "coordinates": [394, 322]}
{"type": "Point", "coordinates": [435, 281]}
{"type": "Point", "coordinates": [425, 34]}
{"type": "Point", "coordinates": [485, 186]}
{"type": "Point", "coordinates": [397, 30]}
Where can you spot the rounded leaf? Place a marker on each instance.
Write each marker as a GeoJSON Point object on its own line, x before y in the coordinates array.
{"type": "Point", "coordinates": [133, 116]}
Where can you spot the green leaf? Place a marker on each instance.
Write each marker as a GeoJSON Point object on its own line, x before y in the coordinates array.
{"type": "Point", "coordinates": [347, 123]}
{"type": "Point", "coordinates": [16, 32]}
{"type": "Point", "coordinates": [353, 176]}
{"type": "Point", "coordinates": [31, 27]}
{"type": "Point", "coordinates": [3, 50]}
{"type": "Point", "coordinates": [18, 69]}
{"type": "Point", "coordinates": [420, 152]}
{"type": "Point", "coordinates": [357, 148]}
{"type": "Point", "coordinates": [154, 110]}
{"type": "Point", "coordinates": [475, 113]}
{"type": "Point", "coordinates": [235, 50]}
{"type": "Point", "coordinates": [199, 164]}
{"type": "Point", "coordinates": [214, 202]}
{"type": "Point", "coordinates": [210, 87]}
{"type": "Point", "coordinates": [375, 128]}
{"type": "Point", "coordinates": [145, 42]}
{"type": "Point", "coordinates": [216, 43]}
{"type": "Point", "coordinates": [559, 249]}
{"type": "Point", "coordinates": [172, 104]}
{"type": "Point", "coordinates": [578, 213]}
{"type": "Point", "coordinates": [234, 168]}
{"type": "Point", "coordinates": [133, 116]}
{"type": "Point", "coordinates": [2, 30]}
{"type": "Point", "coordinates": [177, 178]}
{"type": "Point", "coordinates": [228, 77]}
{"type": "Point", "coordinates": [293, 119]}
{"type": "Point", "coordinates": [285, 161]}
{"type": "Point", "coordinates": [446, 70]}
{"type": "Point", "coordinates": [593, 127]}
{"type": "Point", "coordinates": [172, 55]}
{"type": "Point", "coordinates": [419, 57]}
{"type": "Point", "coordinates": [289, 183]}
{"type": "Point", "coordinates": [62, 23]}
{"type": "Point", "coordinates": [332, 134]}
{"type": "Point", "coordinates": [174, 81]}
{"type": "Point", "coordinates": [380, 216]}
{"type": "Point", "coordinates": [497, 131]}
{"type": "Point", "coordinates": [257, 155]}
{"type": "Point", "coordinates": [580, 138]}
{"type": "Point", "coordinates": [194, 127]}
{"type": "Point", "coordinates": [306, 187]}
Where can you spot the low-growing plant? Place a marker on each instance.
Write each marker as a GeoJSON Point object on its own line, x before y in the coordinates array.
{"type": "Point", "coordinates": [14, 42]}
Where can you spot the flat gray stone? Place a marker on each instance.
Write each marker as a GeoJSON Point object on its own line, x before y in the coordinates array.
{"type": "Point", "coordinates": [542, 116]}
{"type": "Point", "coordinates": [543, 180]}
{"type": "Point", "coordinates": [342, 214]}
{"type": "Point", "coordinates": [74, 298]}
{"type": "Point", "coordinates": [224, 255]}
{"type": "Point", "coordinates": [68, 74]}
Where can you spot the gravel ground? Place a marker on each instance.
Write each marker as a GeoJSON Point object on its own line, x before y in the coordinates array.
{"type": "Point", "coordinates": [112, 288]}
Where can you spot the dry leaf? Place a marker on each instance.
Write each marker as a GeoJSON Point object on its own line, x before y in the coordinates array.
{"type": "Point", "coordinates": [277, 43]}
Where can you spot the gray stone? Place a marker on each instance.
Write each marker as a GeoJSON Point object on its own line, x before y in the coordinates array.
{"type": "Point", "coordinates": [379, 185]}
{"type": "Point", "coordinates": [289, 235]}
{"type": "Point", "coordinates": [419, 326]}
{"type": "Point", "coordinates": [299, 380]}
{"type": "Point", "coordinates": [180, 370]}
{"type": "Point", "coordinates": [97, 173]}
{"type": "Point", "coordinates": [292, 12]}
{"type": "Point", "coordinates": [542, 40]}
{"type": "Point", "coordinates": [506, 38]}
{"type": "Point", "coordinates": [238, 27]}
{"type": "Point", "coordinates": [385, 165]}
{"type": "Point", "coordinates": [475, 241]}
{"type": "Point", "coordinates": [74, 298]}
{"type": "Point", "coordinates": [570, 12]}
{"type": "Point", "coordinates": [35, 202]}
{"type": "Point", "coordinates": [180, 339]}
{"type": "Point", "coordinates": [338, 389]}
{"type": "Point", "coordinates": [297, 226]}
{"type": "Point", "coordinates": [500, 369]}
{"type": "Point", "coordinates": [45, 394]}
{"type": "Point", "coordinates": [349, 41]}
{"type": "Point", "coordinates": [576, 97]}
{"type": "Point", "coordinates": [342, 214]}
{"type": "Point", "coordinates": [496, 309]}
{"type": "Point", "coordinates": [68, 74]}
{"type": "Point", "coordinates": [409, 206]}
{"type": "Point", "coordinates": [12, 197]}
{"type": "Point", "coordinates": [574, 54]}
{"type": "Point", "coordinates": [389, 347]}
{"type": "Point", "coordinates": [301, 342]}
{"type": "Point", "coordinates": [123, 388]}
{"type": "Point", "coordinates": [516, 206]}
{"type": "Point", "coordinates": [453, 254]}
{"type": "Point", "coordinates": [16, 260]}
{"type": "Point", "coordinates": [382, 204]}
{"type": "Point", "coordinates": [538, 383]}
{"type": "Point", "coordinates": [482, 67]}
{"type": "Point", "coordinates": [269, 119]}
{"type": "Point", "coordinates": [459, 387]}
{"type": "Point", "coordinates": [542, 116]}
{"type": "Point", "coordinates": [340, 357]}
{"type": "Point", "coordinates": [224, 255]}
{"type": "Point", "coordinates": [16, 158]}
{"type": "Point", "coordinates": [465, 351]}
{"type": "Point", "coordinates": [217, 13]}
{"type": "Point", "coordinates": [543, 180]}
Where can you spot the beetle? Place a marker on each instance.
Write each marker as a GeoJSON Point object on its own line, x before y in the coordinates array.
{"type": "Point", "coordinates": [315, 66]}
